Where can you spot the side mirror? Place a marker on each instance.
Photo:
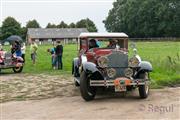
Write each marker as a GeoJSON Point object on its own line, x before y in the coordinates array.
{"type": "Point", "coordinates": [133, 45]}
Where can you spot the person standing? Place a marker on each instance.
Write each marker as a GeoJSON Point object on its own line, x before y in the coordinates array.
{"type": "Point", "coordinates": [23, 50]}
{"type": "Point", "coordinates": [33, 50]}
{"type": "Point", "coordinates": [16, 49]}
{"type": "Point", "coordinates": [53, 56]}
{"type": "Point", "coordinates": [59, 53]}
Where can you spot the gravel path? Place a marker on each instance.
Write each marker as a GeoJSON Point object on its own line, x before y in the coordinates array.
{"type": "Point", "coordinates": [65, 101]}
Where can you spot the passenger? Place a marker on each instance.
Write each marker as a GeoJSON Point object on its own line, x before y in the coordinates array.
{"type": "Point", "coordinates": [112, 44]}
{"type": "Point", "coordinates": [93, 44]}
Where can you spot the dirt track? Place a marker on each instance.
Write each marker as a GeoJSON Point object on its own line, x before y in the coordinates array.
{"type": "Point", "coordinates": [161, 104]}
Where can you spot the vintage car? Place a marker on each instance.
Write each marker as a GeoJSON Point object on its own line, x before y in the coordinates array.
{"type": "Point", "coordinates": [9, 61]}
{"type": "Point", "coordinates": [103, 62]}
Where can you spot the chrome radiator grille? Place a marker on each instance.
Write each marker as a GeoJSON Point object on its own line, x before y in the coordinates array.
{"type": "Point", "coordinates": [117, 59]}
{"type": "Point", "coordinates": [8, 59]}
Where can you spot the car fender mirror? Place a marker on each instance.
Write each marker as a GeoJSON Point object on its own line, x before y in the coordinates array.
{"type": "Point", "coordinates": [135, 51]}
{"type": "Point", "coordinates": [133, 45]}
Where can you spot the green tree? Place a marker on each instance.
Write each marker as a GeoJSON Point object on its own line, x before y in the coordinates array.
{"type": "Point", "coordinates": [32, 24]}
{"type": "Point", "coordinates": [149, 18]}
{"type": "Point", "coordinates": [23, 33]}
{"type": "Point", "coordinates": [87, 23]}
{"type": "Point", "coordinates": [49, 25]}
{"type": "Point", "coordinates": [72, 25]}
{"type": "Point", "coordinates": [10, 27]}
{"type": "Point", "coordinates": [1, 37]}
{"type": "Point", "coordinates": [62, 25]}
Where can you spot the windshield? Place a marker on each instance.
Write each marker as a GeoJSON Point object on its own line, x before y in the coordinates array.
{"type": "Point", "coordinates": [107, 43]}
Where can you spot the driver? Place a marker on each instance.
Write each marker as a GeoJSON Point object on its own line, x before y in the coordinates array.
{"type": "Point", "coordinates": [93, 44]}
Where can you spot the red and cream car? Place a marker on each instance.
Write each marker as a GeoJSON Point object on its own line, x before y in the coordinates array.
{"type": "Point", "coordinates": [103, 62]}
{"type": "Point", "coordinates": [9, 61]}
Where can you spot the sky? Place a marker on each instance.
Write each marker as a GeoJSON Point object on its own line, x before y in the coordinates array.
{"type": "Point", "coordinates": [54, 11]}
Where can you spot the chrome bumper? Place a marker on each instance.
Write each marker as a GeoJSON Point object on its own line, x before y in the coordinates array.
{"type": "Point", "coordinates": [106, 83]}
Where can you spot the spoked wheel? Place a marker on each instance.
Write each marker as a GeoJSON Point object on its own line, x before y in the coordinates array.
{"type": "Point", "coordinates": [17, 69]}
{"type": "Point", "coordinates": [87, 92]}
{"type": "Point", "coordinates": [144, 89]}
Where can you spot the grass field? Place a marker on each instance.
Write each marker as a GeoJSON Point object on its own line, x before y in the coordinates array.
{"type": "Point", "coordinates": [164, 56]}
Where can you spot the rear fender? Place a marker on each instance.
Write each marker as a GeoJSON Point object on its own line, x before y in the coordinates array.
{"type": "Point", "coordinates": [74, 65]}
{"type": "Point", "coordinates": [75, 61]}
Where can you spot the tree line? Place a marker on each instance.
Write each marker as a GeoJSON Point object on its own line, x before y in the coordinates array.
{"type": "Point", "coordinates": [10, 26]}
{"type": "Point", "coordinates": [145, 18]}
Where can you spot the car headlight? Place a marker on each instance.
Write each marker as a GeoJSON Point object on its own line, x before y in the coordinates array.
{"type": "Point", "coordinates": [128, 72]}
{"type": "Point", "coordinates": [134, 61]}
{"type": "Point", "coordinates": [103, 62]}
{"type": "Point", "coordinates": [111, 72]}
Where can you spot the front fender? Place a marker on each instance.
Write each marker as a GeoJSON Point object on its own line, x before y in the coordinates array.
{"type": "Point", "coordinates": [91, 69]}
{"type": "Point", "coordinates": [145, 66]}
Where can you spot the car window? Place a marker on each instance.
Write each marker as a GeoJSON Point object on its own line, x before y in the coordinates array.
{"type": "Point", "coordinates": [110, 43]}
{"type": "Point", "coordinates": [103, 43]}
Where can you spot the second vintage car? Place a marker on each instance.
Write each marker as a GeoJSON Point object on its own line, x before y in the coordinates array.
{"type": "Point", "coordinates": [10, 61]}
{"type": "Point", "coordinates": [103, 62]}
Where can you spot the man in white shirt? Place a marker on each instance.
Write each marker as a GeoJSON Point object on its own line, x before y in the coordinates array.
{"type": "Point", "coordinates": [23, 50]}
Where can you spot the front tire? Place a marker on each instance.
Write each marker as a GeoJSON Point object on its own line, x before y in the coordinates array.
{"type": "Point", "coordinates": [87, 92]}
{"type": "Point", "coordinates": [144, 89]}
{"type": "Point", "coordinates": [18, 69]}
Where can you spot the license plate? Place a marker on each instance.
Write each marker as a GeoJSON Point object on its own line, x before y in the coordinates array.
{"type": "Point", "coordinates": [120, 88]}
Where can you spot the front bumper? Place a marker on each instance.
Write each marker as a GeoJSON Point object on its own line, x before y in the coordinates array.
{"type": "Point", "coordinates": [119, 81]}
{"type": "Point", "coordinates": [11, 66]}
